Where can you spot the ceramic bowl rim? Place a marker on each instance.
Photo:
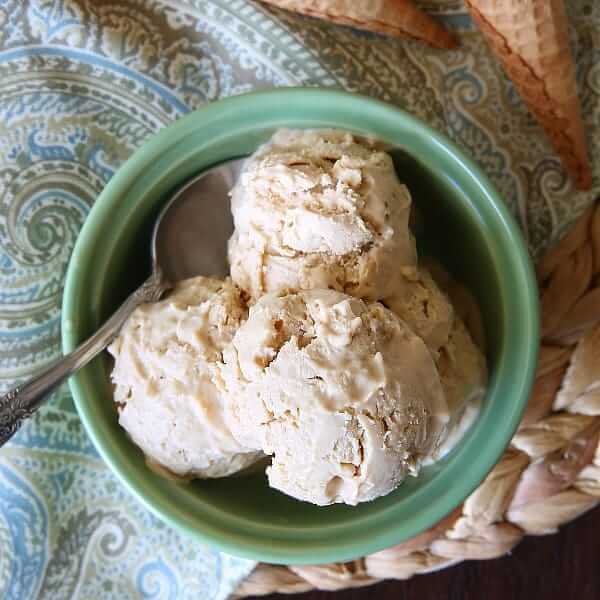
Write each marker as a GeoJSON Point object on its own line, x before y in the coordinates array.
{"type": "Point", "coordinates": [243, 543]}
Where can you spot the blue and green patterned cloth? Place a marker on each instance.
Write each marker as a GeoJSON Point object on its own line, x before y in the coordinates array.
{"type": "Point", "coordinates": [82, 84]}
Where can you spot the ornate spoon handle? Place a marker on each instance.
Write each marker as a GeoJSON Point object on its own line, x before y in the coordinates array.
{"type": "Point", "coordinates": [22, 401]}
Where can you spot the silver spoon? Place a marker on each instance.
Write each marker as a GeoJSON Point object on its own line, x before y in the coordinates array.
{"type": "Point", "coordinates": [189, 238]}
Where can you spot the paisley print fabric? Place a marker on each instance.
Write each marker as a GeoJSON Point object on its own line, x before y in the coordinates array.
{"type": "Point", "coordinates": [82, 84]}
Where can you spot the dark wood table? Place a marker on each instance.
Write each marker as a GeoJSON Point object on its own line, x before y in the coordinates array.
{"type": "Point", "coordinates": [564, 566]}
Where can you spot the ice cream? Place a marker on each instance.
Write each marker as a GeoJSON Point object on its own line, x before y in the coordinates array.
{"type": "Point", "coordinates": [461, 367]}
{"type": "Point", "coordinates": [460, 360]}
{"type": "Point", "coordinates": [341, 392]}
{"type": "Point", "coordinates": [164, 365]}
{"type": "Point", "coordinates": [420, 302]}
{"type": "Point", "coordinates": [353, 366]}
{"type": "Point", "coordinates": [320, 209]}
{"type": "Point", "coordinates": [463, 373]}
{"type": "Point", "coordinates": [464, 304]}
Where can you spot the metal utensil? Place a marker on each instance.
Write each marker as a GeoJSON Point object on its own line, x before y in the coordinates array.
{"type": "Point", "coordinates": [189, 238]}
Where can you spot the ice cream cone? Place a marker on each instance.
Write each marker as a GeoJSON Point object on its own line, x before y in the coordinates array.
{"type": "Point", "coordinates": [398, 18]}
{"type": "Point", "coordinates": [530, 38]}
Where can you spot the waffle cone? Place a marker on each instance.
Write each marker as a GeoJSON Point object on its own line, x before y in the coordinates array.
{"type": "Point", "coordinates": [397, 18]}
{"type": "Point", "coordinates": [530, 37]}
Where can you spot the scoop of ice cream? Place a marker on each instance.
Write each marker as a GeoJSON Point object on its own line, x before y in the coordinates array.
{"type": "Point", "coordinates": [342, 393]}
{"type": "Point", "coordinates": [163, 374]}
{"type": "Point", "coordinates": [320, 209]}
{"type": "Point", "coordinates": [460, 361]}
{"type": "Point", "coordinates": [464, 303]}
{"type": "Point", "coordinates": [463, 373]}
{"type": "Point", "coordinates": [461, 366]}
{"type": "Point", "coordinates": [425, 308]}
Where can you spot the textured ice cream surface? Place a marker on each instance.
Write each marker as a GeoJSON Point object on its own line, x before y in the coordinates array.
{"type": "Point", "coordinates": [461, 366]}
{"type": "Point", "coordinates": [463, 372]}
{"type": "Point", "coordinates": [463, 302]}
{"type": "Point", "coordinates": [163, 375]}
{"type": "Point", "coordinates": [342, 393]}
{"type": "Point", "coordinates": [460, 360]}
{"type": "Point", "coordinates": [424, 306]}
{"type": "Point", "coordinates": [320, 209]}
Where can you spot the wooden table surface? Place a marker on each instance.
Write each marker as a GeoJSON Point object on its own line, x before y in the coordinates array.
{"type": "Point", "coordinates": [564, 566]}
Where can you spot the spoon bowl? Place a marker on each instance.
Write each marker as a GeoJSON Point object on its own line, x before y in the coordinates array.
{"type": "Point", "coordinates": [191, 232]}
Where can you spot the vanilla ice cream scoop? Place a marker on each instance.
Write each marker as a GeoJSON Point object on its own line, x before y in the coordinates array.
{"type": "Point", "coordinates": [342, 393]}
{"type": "Point", "coordinates": [164, 372]}
{"type": "Point", "coordinates": [320, 209]}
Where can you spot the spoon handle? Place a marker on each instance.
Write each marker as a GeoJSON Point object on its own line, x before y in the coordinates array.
{"type": "Point", "coordinates": [22, 401]}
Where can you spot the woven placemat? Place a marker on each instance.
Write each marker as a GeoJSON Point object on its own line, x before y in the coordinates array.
{"type": "Point", "coordinates": [550, 473]}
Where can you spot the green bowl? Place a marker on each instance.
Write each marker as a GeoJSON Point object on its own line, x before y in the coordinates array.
{"type": "Point", "coordinates": [468, 228]}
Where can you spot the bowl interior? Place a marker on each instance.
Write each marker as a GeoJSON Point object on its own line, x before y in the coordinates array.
{"type": "Point", "coordinates": [467, 229]}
